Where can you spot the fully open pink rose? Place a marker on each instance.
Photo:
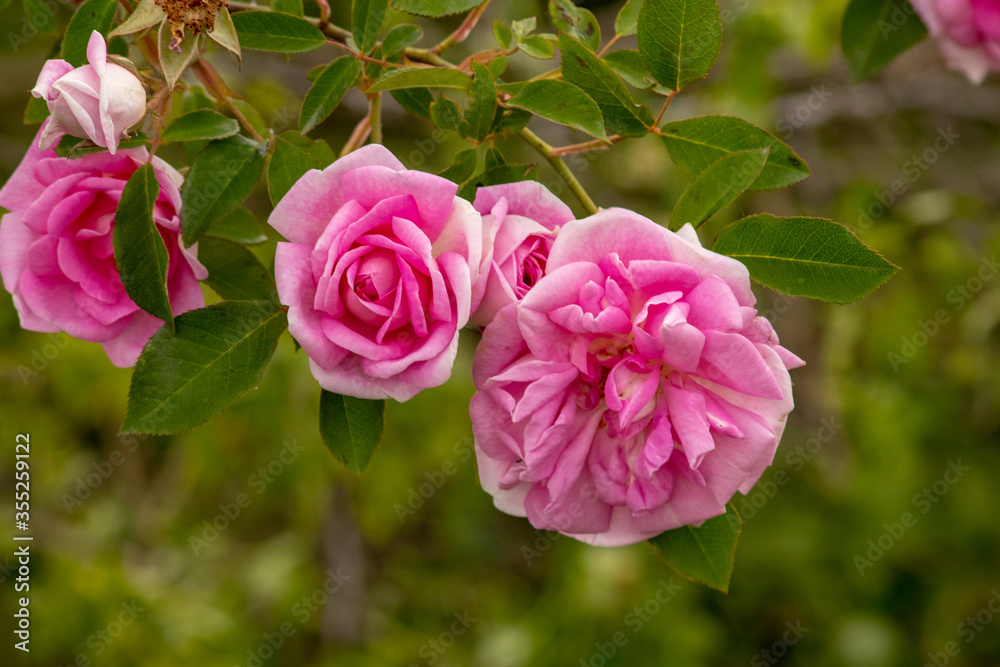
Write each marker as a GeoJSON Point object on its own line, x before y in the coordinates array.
{"type": "Point", "coordinates": [377, 274]}
{"type": "Point", "coordinates": [56, 248]}
{"type": "Point", "coordinates": [633, 390]}
{"type": "Point", "coordinates": [968, 32]}
{"type": "Point", "coordinates": [520, 221]}
{"type": "Point", "coordinates": [99, 101]}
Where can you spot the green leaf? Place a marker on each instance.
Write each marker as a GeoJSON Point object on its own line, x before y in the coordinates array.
{"type": "Point", "coordinates": [234, 272]}
{"type": "Point", "coordinates": [276, 31]}
{"type": "Point", "coordinates": [462, 167]}
{"type": "Point", "coordinates": [92, 15]}
{"type": "Point", "coordinates": [497, 66]}
{"type": "Point", "coordinates": [493, 158]}
{"type": "Point", "coordinates": [367, 17]}
{"type": "Point", "coordinates": [196, 98]}
{"type": "Point", "coordinates": [483, 107]}
{"type": "Point", "coordinates": [293, 7]}
{"type": "Point", "coordinates": [561, 102]}
{"type": "Point", "coordinates": [447, 115]}
{"type": "Point", "coordinates": [216, 355]}
{"type": "Point", "coordinates": [503, 36]}
{"type": "Point", "coordinates": [696, 143]}
{"type": "Point", "coordinates": [679, 40]}
{"type": "Point", "coordinates": [575, 21]}
{"type": "Point", "coordinates": [221, 177]}
{"type": "Point", "coordinates": [811, 257]}
{"type": "Point", "coordinates": [501, 173]}
{"type": "Point", "coordinates": [421, 77]}
{"type": "Point", "coordinates": [174, 63]}
{"type": "Point", "coordinates": [523, 27]}
{"type": "Point", "coordinates": [330, 87]}
{"type": "Point", "coordinates": [415, 100]}
{"type": "Point", "coordinates": [224, 33]}
{"type": "Point", "coordinates": [351, 428]}
{"type": "Point", "coordinates": [512, 120]}
{"type": "Point", "coordinates": [435, 8]}
{"type": "Point", "coordinates": [145, 15]}
{"type": "Point", "coordinates": [627, 63]}
{"type": "Point", "coordinates": [293, 156]}
{"type": "Point", "coordinates": [140, 253]}
{"type": "Point", "coordinates": [253, 117]}
{"type": "Point", "coordinates": [717, 187]}
{"type": "Point", "coordinates": [874, 32]}
{"type": "Point", "coordinates": [628, 18]}
{"type": "Point", "coordinates": [239, 226]}
{"type": "Point", "coordinates": [199, 125]}
{"type": "Point", "coordinates": [35, 111]}
{"type": "Point", "coordinates": [704, 554]}
{"type": "Point", "coordinates": [584, 69]}
{"type": "Point", "coordinates": [400, 37]}
{"type": "Point", "coordinates": [538, 47]}
{"type": "Point", "coordinates": [49, 23]}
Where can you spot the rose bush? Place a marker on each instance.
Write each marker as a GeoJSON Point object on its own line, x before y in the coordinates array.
{"type": "Point", "coordinates": [520, 222]}
{"type": "Point", "coordinates": [56, 248]}
{"type": "Point", "coordinates": [99, 101]}
{"type": "Point", "coordinates": [377, 273]}
{"type": "Point", "coordinates": [633, 390]}
{"type": "Point", "coordinates": [968, 32]}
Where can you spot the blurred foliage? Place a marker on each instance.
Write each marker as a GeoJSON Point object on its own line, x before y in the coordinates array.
{"type": "Point", "coordinates": [405, 575]}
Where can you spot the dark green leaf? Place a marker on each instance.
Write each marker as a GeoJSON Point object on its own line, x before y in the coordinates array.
{"type": "Point", "coordinates": [422, 77]}
{"type": "Point", "coordinates": [696, 143]}
{"type": "Point", "coordinates": [628, 17]}
{"type": "Point", "coordinates": [538, 47]}
{"type": "Point", "coordinates": [276, 31]}
{"type": "Point", "coordinates": [874, 32]}
{"type": "Point", "coordinates": [435, 8]}
{"type": "Point", "coordinates": [140, 253]}
{"type": "Point", "coordinates": [679, 40]}
{"type": "Point", "coordinates": [561, 102]}
{"type": "Point", "coordinates": [584, 69]}
{"type": "Point", "coordinates": [293, 156]}
{"type": "Point", "coordinates": [705, 553]}
{"type": "Point", "coordinates": [447, 115]}
{"type": "Point", "coordinates": [49, 19]}
{"type": "Point", "coordinates": [493, 158]}
{"type": "Point", "coordinates": [221, 177]}
{"type": "Point", "coordinates": [511, 120]}
{"type": "Point", "coordinates": [199, 125]}
{"type": "Point", "coordinates": [367, 17]}
{"type": "Point", "coordinates": [216, 355]}
{"type": "Point", "coordinates": [503, 36]}
{"type": "Point", "coordinates": [326, 93]}
{"type": "Point", "coordinates": [575, 21]}
{"type": "Point", "coordinates": [812, 257]}
{"type": "Point", "coordinates": [483, 107]}
{"type": "Point", "coordinates": [717, 187]}
{"type": "Point", "coordinates": [462, 167]}
{"type": "Point", "coordinates": [415, 100]}
{"type": "Point", "coordinates": [36, 111]}
{"type": "Point", "coordinates": [234, 272]}
{"type": "Point", "coordinates": [503, 173]}
{"type": "Point", "coordinates": [351, 428]}
{"type": "Point", "coordinates": [293, 7]}
{"type": "Point", "coordinates": [239, 226]}
{"type": "Point", "coordinates": [400, 37]}
{"type": "Point", "coordinates": [92, 15]}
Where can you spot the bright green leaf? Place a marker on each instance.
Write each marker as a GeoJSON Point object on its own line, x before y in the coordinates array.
{"type": "Point", "coordinates": [811, 257]}
{"type": "Point", "coordinates": [367, 17]}
{"type": "Point", "coordinates": [293, 7]}
{"type": "Point", "coordinates": [435, 8]}
{"type": "Point", "coordinates": [561, 102]}
{"type": "Point", "coordinates": [874, 32]}
{"type": "Point", "coordinates": [221, 177]}
{"type": "Point", "coordinates": [576, 21]}
{"type": "Point", "coordinates": [216, 355]}
{"type": "Point", "coordinates": [234, 272]}
{"type": "Point", "coordinates": [705, 553]}
{"type": "Point", "coordinates": [717, 187]}
{"type": "Point", "coordinates": [679, 40]}
{"type": "Point", "coordinates": [538, 47]}
{"type": "Point", "coordinates": [422, 77]}
{"type": "Point", "coordinates": [628, 18]}
{"type": "Point", "coordinates": [351, 428]}
{"type": "Point", "coordinates": [200, 125]}
{"type": "Point", "coordinates": [92, 15]}
{"type": "Point", "coordinates": [139, 251]}
{"type": "Point", "coordinates": [326, 93]}
{"type": "Point", "coordinates": [276, 31]}
{"type": "Point", "coordinates": [523, 27]}
{"type": "Point", "coordinates": [696, 143]}
{"type": "Point", "coordinates": [503, 35]}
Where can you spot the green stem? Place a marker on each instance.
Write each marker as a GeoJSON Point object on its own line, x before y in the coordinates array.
{"type": "Point", "coordinates": [375, 112]}
{"type": "Point", "coordinates": [546, 150]}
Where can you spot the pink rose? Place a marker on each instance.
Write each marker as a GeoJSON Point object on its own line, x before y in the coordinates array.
{"type": "Point", "coordinates": [56, 248]}
{"type": "Point", "coordinates": [520, 221]}
{"type": "Point", "coordinates": [99, 101]}
{"type": "Point", "coordinates": [968, 32]}
{"type": "Point", "coordinates": [633, 390]}
{"type": "Point", "coordinates": [377, 273]}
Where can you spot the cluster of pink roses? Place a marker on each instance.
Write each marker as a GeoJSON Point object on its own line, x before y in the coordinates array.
{"type": "Point", "coordinates": [968, 32]}
{"type": "Point", "coordinates": [625, 383]}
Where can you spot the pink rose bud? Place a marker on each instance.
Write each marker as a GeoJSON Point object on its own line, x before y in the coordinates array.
{"type": "Point", "coordinates": [633, 390]}
{"type": "Point", "coordinates": [56, 252]}
{"type": "Point", "coordinates": [520, 221]}
{"type": "Point", "coordinates": [99, 101]}
{"type": "Point", "coordinates": [968, 32]}
{"type": "Point", "coordinates": [377, 274]}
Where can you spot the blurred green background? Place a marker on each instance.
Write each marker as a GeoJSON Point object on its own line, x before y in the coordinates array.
{"type": "Point", "coordinates": [412, 565]}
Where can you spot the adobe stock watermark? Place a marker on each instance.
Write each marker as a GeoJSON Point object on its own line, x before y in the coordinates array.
{"type": "Point", "coordinates": [793, 120]}
{"type": "Point", "coordinates": [435, 479]}
{"type": "Point", "coordinates": [43, 14]}
{"type": "Point", "coordinates": [432, 650]}
{"type": "Point", "coordinates": [967, 631]}
{"type": "Point", "coordinates": [258, 482]}
{"type": "Point", "coordinates": [924, 500]}
{"type": "Point", "coordinates": [560, 521]}
{"type": "Point", "coordinates": [959, 297]}
{"type": "Point", "coordinates": [99, 640]}
{"type": "Point", "coordinates": [42, 356]}
{"type": "Point", "coordinates": [779, 649]}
